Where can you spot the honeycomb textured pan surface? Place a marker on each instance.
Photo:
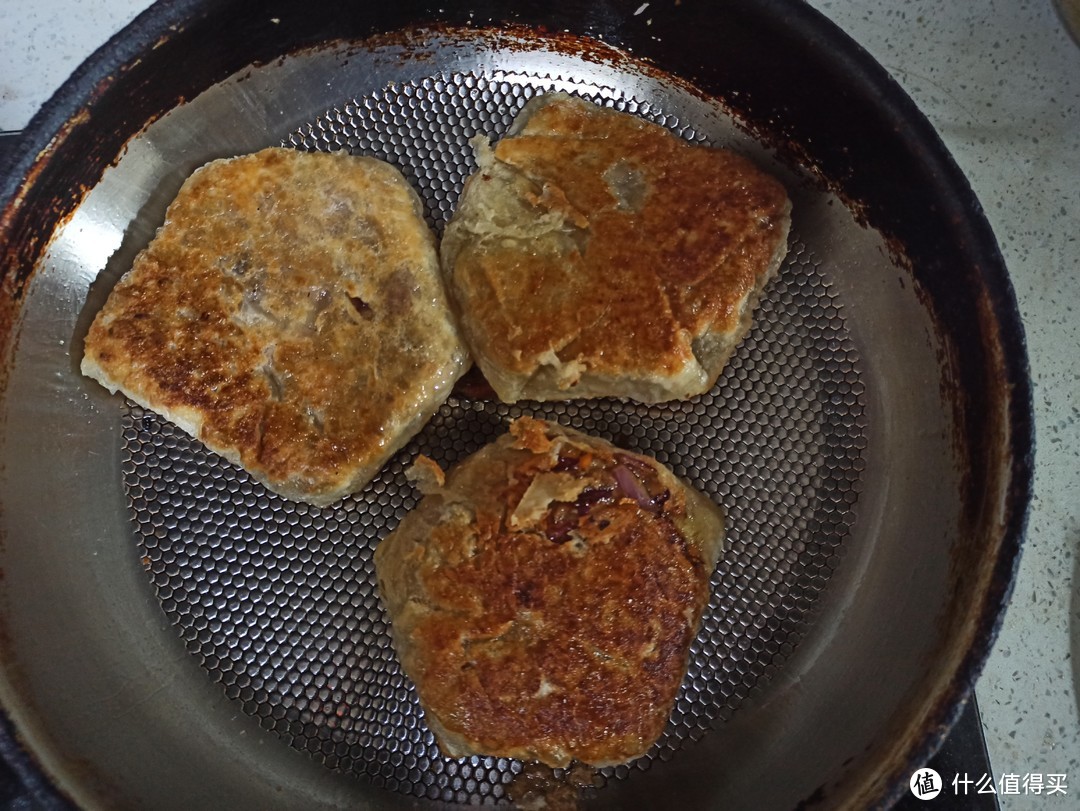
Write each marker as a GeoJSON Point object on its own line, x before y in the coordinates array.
{"type": "Point", "coordinates": [277, 600]}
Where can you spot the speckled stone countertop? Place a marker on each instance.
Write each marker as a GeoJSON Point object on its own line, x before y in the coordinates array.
{"type": "Point", "coordinates": [1000, 79]}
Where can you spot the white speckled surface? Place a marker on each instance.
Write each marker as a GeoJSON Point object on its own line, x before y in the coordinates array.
{"type": "Point", "coordinates": [42, 42]}
{"type": "Point", "coordinates": [1000, 79]}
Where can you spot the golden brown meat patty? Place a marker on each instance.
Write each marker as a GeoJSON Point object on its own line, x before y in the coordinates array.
{"type": "Point", "coordinates": [290, 314]}
{"type": "Point", "coordinates": [543, 596]}
{"type": "Point", "coordinates": [596, 254]}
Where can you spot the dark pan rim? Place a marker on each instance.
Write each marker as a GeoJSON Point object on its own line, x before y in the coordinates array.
{"type": "Point", "coordinates": [808, 30]}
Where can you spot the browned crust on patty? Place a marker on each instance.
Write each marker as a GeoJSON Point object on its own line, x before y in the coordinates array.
{"type": "Point", "coordinates": [594, 253]}
{"type": "Point", "coordinates": [290, 314]}
{"type": "Point", "coordinates": [544, 599]}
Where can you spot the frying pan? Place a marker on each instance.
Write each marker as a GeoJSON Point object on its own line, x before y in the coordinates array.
{"type": "Point", "coordinates": [174, 636]}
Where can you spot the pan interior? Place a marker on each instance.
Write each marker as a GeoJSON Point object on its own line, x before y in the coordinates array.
{"type": "Point", "coordinates": [802, 442]}
{"type": "Point", "coordinates": [278, 600]}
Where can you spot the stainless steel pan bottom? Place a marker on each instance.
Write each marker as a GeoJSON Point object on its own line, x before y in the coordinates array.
{"type": "Point", "coordinates": [278, 600]}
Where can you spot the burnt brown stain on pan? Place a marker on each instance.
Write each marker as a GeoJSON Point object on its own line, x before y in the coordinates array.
{"type": "Point", "coordinates": [787, 73]}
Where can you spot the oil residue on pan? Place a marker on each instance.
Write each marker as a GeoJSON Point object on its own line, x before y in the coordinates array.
{"type": "Point", "coordinates": [278, 599]}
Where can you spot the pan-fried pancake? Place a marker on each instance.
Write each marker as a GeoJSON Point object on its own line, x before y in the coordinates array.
{"type": "Point", "coordinates": [597, 254]}
{"type": "Point", "coordinates": [543, 596]}
{"type": "Point", "coordinates": [290, 314]}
